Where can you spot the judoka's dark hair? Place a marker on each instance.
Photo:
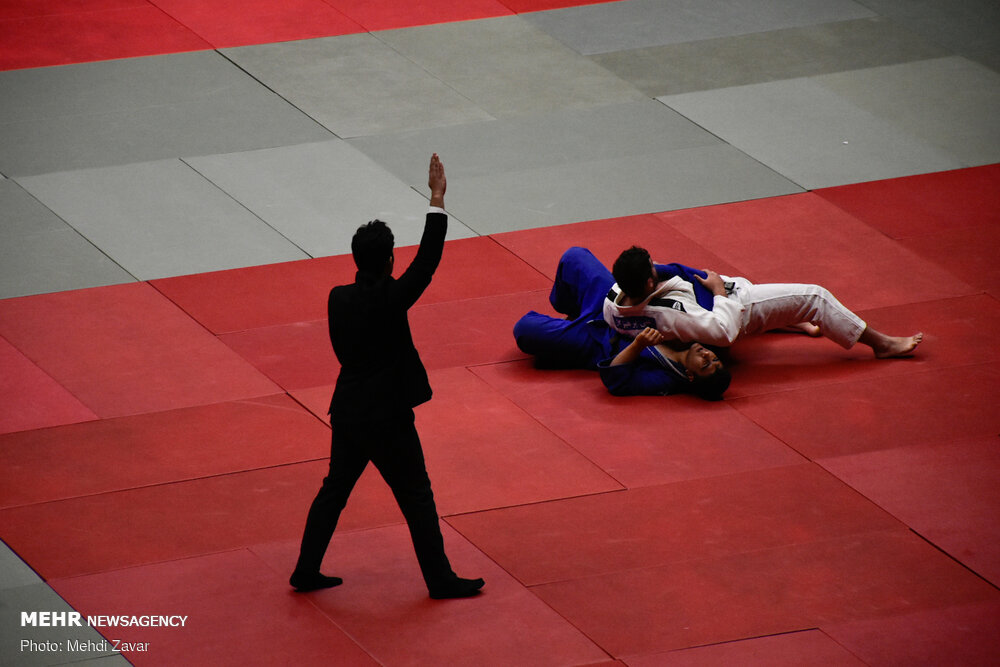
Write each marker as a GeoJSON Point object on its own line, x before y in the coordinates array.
{"type": "Point", "coordinates": [711, 387]}
{"type": "Point", "coordinates": [632, 270]}
{"type": "Point", "coordinates": [372, 246]}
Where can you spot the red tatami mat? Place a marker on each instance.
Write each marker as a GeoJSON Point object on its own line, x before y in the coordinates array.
{"type": "Point", "coordinates": [258, 296]}
{"type": "Point", "coordinates": [777, 362]}
{"type": "Point", "coordinates": [32, 39]}
{"type": "Point", "coordinates": [792, 649]}
{"type": "Point", "coordinates": [652, 526]}
{"type": "Point", "coordinates": [953, 336]}
{"type": "Point", "coordinates": [21, 9]}
{"type": "Point", "coordinates": [222, 25]}
{"type": "Point", "coordinates": [31, 399]}
{"type": "Point", "coordinates": [176, 445]}
{"type": "Point", "coordinates": [169, 521]}
{"type": "Point", "coordinates": [448, 334]}
{"type": "Point", "coordinates": [316, 399]}
{"type": "Point", "coordinates": [383, 606]}
{"type": "Point", "coordinates": [805, 239]}
{"type": "Point", "coordinates": [946, 492]}
{"type": "Point", "coordinates": [483, 452]}
{"type": "Point", "coordinates": [801, 586]}
{"type": "Point", "coordinates": [291, 292]}
{"type": "Point", "coordinates": [238, 611]}
{"type": "Point", "coordinates": [470, 332]}
{"type": "Point", "coordinates": [126, 350]}
{"type": "Point", "coordinates": [969, 253]}
{"type": "Point", "coordinates": [475, 268]}
{"type": "Point", "coordinates": [959, 635]}
{"type": "Point", "coordinates": [905, 410]}
{"type": "Point", "coordinates": [639, 440]}
{"type": "Point", "coordinates": [945, 201]}
{"type": "Point", "coordinates": [294, 356]}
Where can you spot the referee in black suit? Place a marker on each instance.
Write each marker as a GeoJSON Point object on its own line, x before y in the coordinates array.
{"type": "Point", "coordinates": [381, 380]}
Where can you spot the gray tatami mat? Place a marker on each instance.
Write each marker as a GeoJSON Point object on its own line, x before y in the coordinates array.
{"type": "Point", "coordinates": [21, 590]}
{"type": "Point", "coordinates": [951, 103]}
{"type": "Point", "coordinates": [610, 188]}
{"type": "Point", "coordinates": [507, 66]}
{"type": "Point", "coordinates": [578, 164]}
{"type": "Point", "coordinates": [969, 28]}
{"type": "Point", "coordinates": [862, 125]}
{"type": "Point", "coordinates": [355, 85]}
{"type": "Point", "coordinates": [768, 56]}
{"type": "Point", "coordinates": [53, 645]}
{"type": "Point", "coordinates": [317, 195]}
{"type": "Point", "coordinates": [160, 219]}
{"type": "Point", "coordinates": [14, 573]}
{"type": "Point", "coordinates": [430, 76]}
{"type": "Point", "coordinates": [806, 132]}
{"type": "Point", "coordinates": [563, 137]}
{"type": "Point", "coordinates": [136, 110]}
{"type": "Point", "coordinates": [41, 253]}
{"type": "Point", "coordinates": [617, 26]}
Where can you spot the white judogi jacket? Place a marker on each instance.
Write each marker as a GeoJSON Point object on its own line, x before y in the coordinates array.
{"type": "Point", "coordinates": [673, 310]}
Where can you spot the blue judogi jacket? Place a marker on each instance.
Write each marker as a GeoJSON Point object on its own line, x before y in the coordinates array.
{"type": "Point", "coordinates": [651, 374]}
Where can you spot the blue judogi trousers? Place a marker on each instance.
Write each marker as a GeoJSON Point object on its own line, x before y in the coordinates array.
{"type": "Point", "coordinates": [582, 339]}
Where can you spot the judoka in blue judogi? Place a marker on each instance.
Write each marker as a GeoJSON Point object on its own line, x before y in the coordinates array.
{"type": "Point", "coordinates": [645, 365]}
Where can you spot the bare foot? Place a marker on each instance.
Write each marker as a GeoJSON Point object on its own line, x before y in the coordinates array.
{"type": "Point", "coordinates": [808, 328]}
{"type": "Point", "coordinates": [897, 346]}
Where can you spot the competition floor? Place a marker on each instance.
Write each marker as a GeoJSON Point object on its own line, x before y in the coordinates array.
{"type": "Point", "coordinates": [181, 182]}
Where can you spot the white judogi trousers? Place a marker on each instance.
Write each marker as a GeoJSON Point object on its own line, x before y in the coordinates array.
{"type": "Point", "coordinates": [776, 305]}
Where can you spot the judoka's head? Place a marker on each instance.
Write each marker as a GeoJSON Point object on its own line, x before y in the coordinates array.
{"type": "Point", "coordinates": [635, 274]}
{"type": "Point", "coordinates": [372, 248]}
{"type": "Point", "coordinates": [709, 378]}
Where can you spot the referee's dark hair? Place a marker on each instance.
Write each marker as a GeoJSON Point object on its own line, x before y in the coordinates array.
{"type": "Point", "coordinates": [372, 247]}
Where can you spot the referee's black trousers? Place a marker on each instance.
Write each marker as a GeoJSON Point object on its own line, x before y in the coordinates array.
{"type": "Point", "coordinates": [392, 444]}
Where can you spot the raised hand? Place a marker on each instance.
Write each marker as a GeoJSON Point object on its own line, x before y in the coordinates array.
{"type": "Point", "coordinates": [436, 181]}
